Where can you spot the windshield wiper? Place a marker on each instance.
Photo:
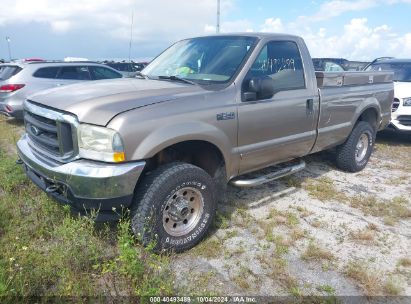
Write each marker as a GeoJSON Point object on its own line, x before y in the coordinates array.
{"type": "Point", "coordinates": [141, 75]}
{"type": "Point", "coordinates": [176, 78]}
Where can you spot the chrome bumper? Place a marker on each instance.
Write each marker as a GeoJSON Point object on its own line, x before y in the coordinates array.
{"type": "Point", "coordinates": [84, 179]}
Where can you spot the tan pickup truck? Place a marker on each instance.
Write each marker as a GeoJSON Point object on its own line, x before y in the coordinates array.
{"type": "Point", "coordinates": [203, 113]}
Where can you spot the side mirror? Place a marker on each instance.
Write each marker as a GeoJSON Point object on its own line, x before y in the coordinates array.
{"type": "Point", "coordinates": [259, 88]}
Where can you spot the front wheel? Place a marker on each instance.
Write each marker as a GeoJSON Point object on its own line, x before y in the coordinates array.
{"type": "Point", "coordinates": [353, 155]}
{"type": "Point", "coordinates": [174, 207]}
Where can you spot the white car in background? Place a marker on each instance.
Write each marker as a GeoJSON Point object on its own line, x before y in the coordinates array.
{"type": "Point", "coordinates": [401, 108]}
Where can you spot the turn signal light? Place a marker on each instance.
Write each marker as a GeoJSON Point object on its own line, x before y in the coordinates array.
{"type": "Point", "coordinates": [8, 88]}
{"type": "Point", "coordinates": [119, 157]}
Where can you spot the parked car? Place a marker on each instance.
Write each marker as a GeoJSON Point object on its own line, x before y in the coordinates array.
{"type": "Point", "coordinates": [207, 111]}
{"type": "Point", "coordinates": [18, 80]}
{"type": "Point", "coordinates": [338, 64]}
{"type": "Point", "coordinates": [127, 69]}
{"type": "Point", "coordinates": [401, 107]}
{"type": "Point", "coordinates": [327, 65]}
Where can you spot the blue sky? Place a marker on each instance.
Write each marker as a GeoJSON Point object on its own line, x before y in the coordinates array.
{"type": "Point", "coordinates": [97, 29]}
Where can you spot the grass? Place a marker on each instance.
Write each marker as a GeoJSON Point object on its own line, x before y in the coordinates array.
{"type": "Point", "coordinates": [286, 218]}
{"type": "Point", "coordinates": [404, 262]}
{"type": "Point", "coordinates": [392, 287]}
{"type": "Point", "coordinates": [365, 235]}
{"type": "Point", "coordinates": [278, 272]}
{"type": "Point", "coordinates": [323, 189]}
{"type": "Point", "coordinates": [211, 248]}
{"type": "Point", "coordinates": [315, 253]}
{"type": "Point", "coordinates": [328, 289]}
{"type": "Point", "coordinates": [46, 251]}
{"type": "Point", "coordinates": [390, 210]}
{"type": "Point", "coordinates": [367, 279]}
{"type": "Point", "coordinates": [389, 145]}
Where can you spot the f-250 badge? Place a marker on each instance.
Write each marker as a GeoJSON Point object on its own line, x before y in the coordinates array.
{"type": "Point", "coordinates": [225, 116]}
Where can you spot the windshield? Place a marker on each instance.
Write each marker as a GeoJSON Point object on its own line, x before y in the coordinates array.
{"type": "Point", "coordinates": [203, 60]}
{"type": "Point", "coordinates": [7, 71]}
{"type": "Point", "coordinates": [402, 71]}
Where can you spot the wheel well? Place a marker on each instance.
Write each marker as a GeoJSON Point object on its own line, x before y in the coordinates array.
{"type": "Point", "coordinates": [199, 153]}
{"type": "Point", "coordinates": [370, 115]}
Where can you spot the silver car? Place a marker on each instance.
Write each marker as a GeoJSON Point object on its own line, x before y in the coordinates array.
{"type": "Point", "coordinates": [18, 80]}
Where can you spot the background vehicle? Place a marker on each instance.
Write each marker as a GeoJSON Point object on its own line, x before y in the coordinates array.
{"type": "Point", "coordinates": [401, 107]}
{"type": "Point", "coordinates": [207, 111]}
{"type": "Point", "coordinates": [326, 65]}
{"type": "Point", "coordinates": [127, 69]}
{"type": "Point", "coordinates": [18, 80]}
{"type": "Point", "coordinates": [337, 64]}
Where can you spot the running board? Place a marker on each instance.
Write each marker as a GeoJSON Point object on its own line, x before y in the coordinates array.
{"type": "Point", "coordinates": [247, 183]}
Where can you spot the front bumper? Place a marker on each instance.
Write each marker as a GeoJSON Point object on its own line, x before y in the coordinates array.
{"type": "Point", "coordinates": [85, 185]}
{"type": "Point", "coordinates": [402, 125]}
{"type": "Point", "coordinates": [17, 109]}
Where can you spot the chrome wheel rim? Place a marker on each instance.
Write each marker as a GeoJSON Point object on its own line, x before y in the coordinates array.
{"type": "Point", "coordinates": [183, 211]}
{"type": "Point", "coordinates": [361, 148]}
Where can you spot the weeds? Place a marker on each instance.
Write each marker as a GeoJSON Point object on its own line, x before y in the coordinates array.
{"type": "Point", "coordinates": [391, 210]}
{"type": "Point", "coordinates": [316, 253]}
{"type": "Point", "coordinates": [366, 235]}
{"type": "Point", "coordinates": [45, 251]}
{"type": "Point", "coordinates": [324, 189]}
{"type": "Point", "coordinates": [392, 287]}
{"type": "Point", "coordinates": [404, 262]}
{"type": "Point", "coordinates": [367, 279]}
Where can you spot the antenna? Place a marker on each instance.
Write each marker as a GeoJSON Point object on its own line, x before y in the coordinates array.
{"type": "Point", "coordinates": [8, 46]}
{"type": "Point", "coordinates": [218, 16]}
{"type": "Point", "coordinates": [131, 36]}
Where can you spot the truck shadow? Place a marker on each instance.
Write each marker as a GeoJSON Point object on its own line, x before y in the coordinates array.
{"type": "Point", "coordinates": [271, 194]}
{"type": "Point", "coordinates": [393, 138]}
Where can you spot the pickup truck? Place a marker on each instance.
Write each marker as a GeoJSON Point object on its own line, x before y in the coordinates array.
{"type": "Point", "coordinates": [204, 113]}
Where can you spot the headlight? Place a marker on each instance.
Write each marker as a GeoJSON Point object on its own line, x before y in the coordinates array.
{"type": "Point", "coordinates": [407, 102]}
{"type": "Point", "coordinates": [100, 143]}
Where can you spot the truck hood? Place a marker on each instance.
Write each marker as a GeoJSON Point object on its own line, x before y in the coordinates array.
{"type": "Point", "coordinates": [402, 89]}
{"type": "Point", "coordinates": [98, 102]}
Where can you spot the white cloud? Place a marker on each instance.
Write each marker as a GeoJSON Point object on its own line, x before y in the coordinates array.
{"type": "Point", "coordinates": [336, 8]}
{"type": "Point", "coordinates": [159, 19]}
{"type": "Point", "coordinates": [273, 25]}
{"type": "Point", "coordinates": [357, 40]}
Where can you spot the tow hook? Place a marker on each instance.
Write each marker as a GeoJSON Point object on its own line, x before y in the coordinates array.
{"type": "Point", "coordinates": [52, 188]}
{"type": "Point", "coordinates": [19, 162]}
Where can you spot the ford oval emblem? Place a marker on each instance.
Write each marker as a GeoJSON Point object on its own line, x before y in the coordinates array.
{"type": "Point", "coordinates": [35, 130]}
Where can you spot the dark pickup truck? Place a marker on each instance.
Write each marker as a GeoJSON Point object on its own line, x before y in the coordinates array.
{"type": "Point", "coordinates": [205, 112]}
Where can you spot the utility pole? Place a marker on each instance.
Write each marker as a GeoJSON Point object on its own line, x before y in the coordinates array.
{"type": "Point", "coordinates": [131, 36]}
{"type": "Point", "coordinates": [8, 45]}
{"type": "Point", "coordinates": [218, 16]}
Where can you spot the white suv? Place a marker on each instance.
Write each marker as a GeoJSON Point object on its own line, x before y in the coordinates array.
{"type": "Point", "coordinates": [401, 108]}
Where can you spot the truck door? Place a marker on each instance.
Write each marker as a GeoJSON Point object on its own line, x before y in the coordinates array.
{"type": "Point", "coordinates": [282, 125]}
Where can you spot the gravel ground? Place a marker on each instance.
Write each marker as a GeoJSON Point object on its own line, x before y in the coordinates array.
{"type": "Point", "coordinates": [320, 232]}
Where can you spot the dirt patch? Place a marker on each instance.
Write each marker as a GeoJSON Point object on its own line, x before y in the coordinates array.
{"type": "Point", "coordinates": [303, 235]}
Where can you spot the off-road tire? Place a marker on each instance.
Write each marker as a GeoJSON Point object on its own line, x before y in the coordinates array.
{"type": "Point", "coordinates": [152, 197]}
{"type": "Point", "coordinates": [346, 153]}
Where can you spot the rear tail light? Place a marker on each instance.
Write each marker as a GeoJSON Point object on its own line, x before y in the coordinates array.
{"type": "Point", "coordinates": [8, 88]}
{"type": "Point", "coordinates": [8, 109]}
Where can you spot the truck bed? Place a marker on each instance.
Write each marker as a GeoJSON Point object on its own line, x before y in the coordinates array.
{"type": "Point", "coordinates": [338, 79]}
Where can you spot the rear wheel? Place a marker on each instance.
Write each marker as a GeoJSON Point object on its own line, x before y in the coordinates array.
{"type": "Point", "coordinates": [174, 207]}
{"type": "Point", "coordinates": [354, 154]}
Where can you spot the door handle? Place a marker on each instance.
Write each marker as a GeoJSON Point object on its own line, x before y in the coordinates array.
{"type": "Point", "coordinates": [310, 105]}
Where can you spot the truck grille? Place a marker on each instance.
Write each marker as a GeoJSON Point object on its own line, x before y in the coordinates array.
{"type": "Point", "coordinates": [49, 133]}
{"type": "Point", "coordinates": [395, 104]}
{"type": "Point", "coordinates": [405, 120]}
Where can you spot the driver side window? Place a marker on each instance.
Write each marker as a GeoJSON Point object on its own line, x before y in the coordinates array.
{"type": "Point", "coordinates": [280, 62]}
